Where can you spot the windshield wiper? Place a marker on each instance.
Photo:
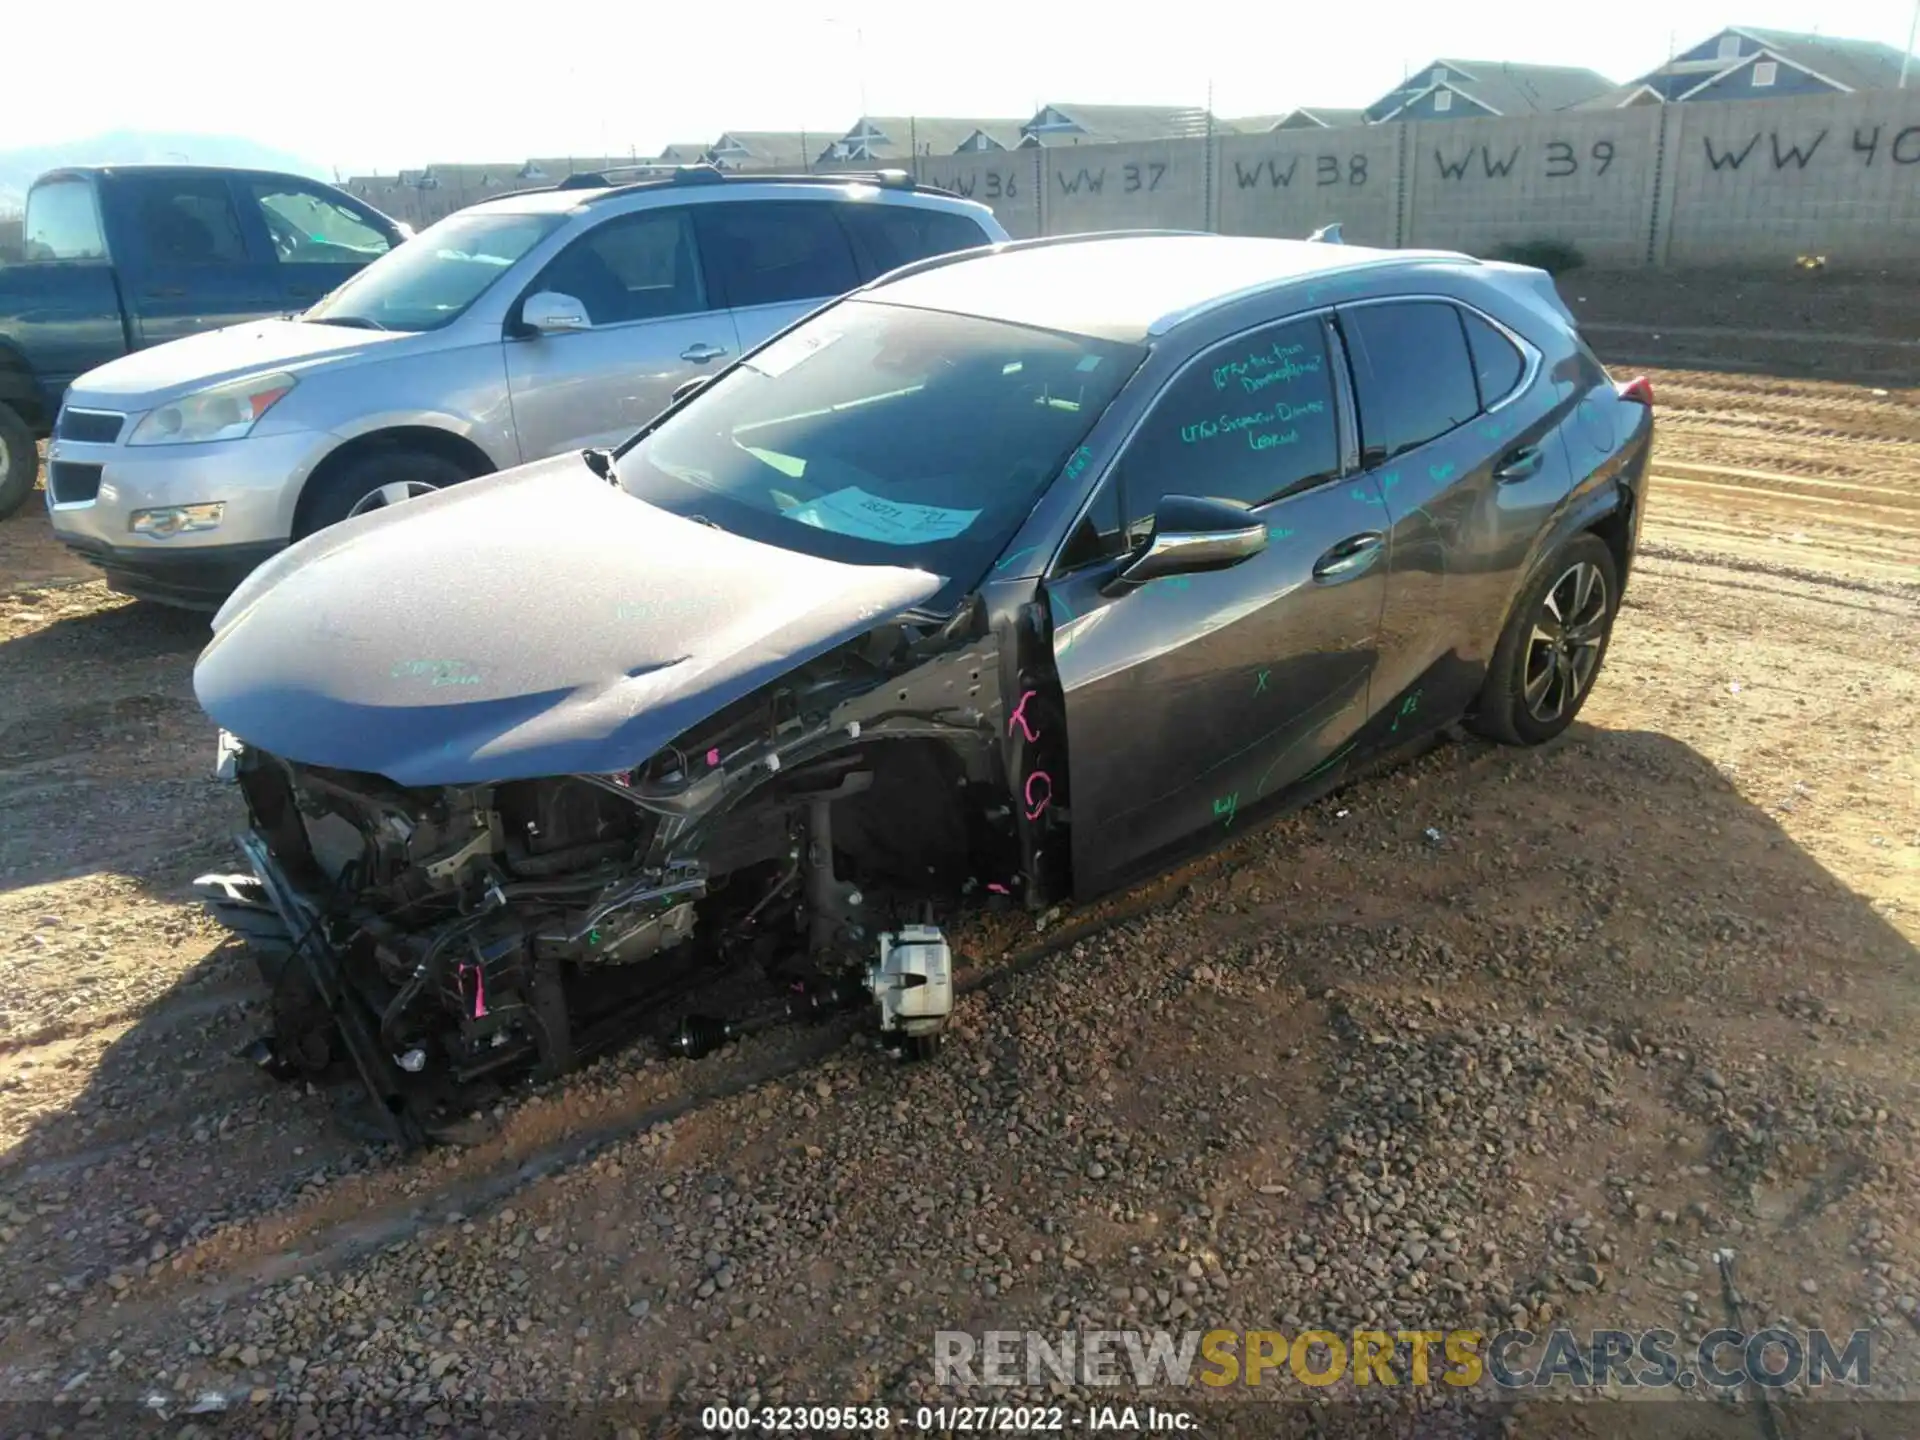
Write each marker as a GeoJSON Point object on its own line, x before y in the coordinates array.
{"type": "Point", "coordinates": [352, 322]}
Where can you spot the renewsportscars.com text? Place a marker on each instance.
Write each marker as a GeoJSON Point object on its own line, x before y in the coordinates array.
{"type": "Point", "coordinates": [1508, 1359]}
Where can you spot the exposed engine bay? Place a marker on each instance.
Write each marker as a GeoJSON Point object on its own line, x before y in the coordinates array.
{"type": "Point", "coordinates": [446, 942]}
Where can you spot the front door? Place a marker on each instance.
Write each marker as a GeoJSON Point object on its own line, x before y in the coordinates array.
{"type": "Point", "coordinates": [185, 258]}
{"type": "Point", "coordinates": [1193, 698]}
{"type": "Point", "coordinates": [651, 324]}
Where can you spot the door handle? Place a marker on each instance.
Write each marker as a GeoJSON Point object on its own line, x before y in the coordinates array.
{"type": "Point", "coordinates": [1520, 464]}
{"type": "Point", "coordinates": [1349, 557]}
{"type": "Point", "coordinates": [700, 354]}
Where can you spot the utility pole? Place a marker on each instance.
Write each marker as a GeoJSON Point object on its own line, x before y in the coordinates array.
{"type": "Point", "coordinates": [1906, 56]}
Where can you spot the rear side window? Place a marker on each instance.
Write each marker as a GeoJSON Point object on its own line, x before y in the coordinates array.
{"type": "Point", "coordinates": [768, 252]}
{"type": "Point", "coordinates": [1497, 366]}
{"type": "Point", "coordinates": [1412, 375]}
{"type": "Point", "coordinates": [63, 223]}
{"type": "Point", "coordinates": [188, 220]}
{"type": "Point", "coordinates": [889, 236]}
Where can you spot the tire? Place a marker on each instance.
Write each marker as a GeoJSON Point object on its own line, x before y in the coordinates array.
{"type": "Point", "coordinates": [355, 488]}
{"type": "Point", "coordinates": [19, 462]}
{"type": "Point", "coordinates": [1535, 685]}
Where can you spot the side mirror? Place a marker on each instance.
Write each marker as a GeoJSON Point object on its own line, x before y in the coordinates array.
{"type": "Point", "coordinates": [1190, 535]}
{"type": "Point", "coordinates": [548, 312]}
{"type": "Point", "coordinates": [686, 388]}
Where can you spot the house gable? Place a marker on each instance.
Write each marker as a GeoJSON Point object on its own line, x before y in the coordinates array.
{"type": "Point", "coordinates": [1759, 76]}
{"type": "Point", "coordinates": [1440, 102]}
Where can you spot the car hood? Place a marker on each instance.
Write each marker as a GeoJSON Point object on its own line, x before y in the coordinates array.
{"type": "Point", "coordinates": [536, 622]}
{"type": "Point", "coordinates": [162, 373]}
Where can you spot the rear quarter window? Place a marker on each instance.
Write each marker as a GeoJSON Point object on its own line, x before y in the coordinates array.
{"type": "Point", "coordinates": [1497, 366]}
{"type": "Point", "coordinates": [889, 236]}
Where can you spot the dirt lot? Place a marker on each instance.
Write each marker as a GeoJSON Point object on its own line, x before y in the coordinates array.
{"type": "Point", "coordinates": [1649, 995]}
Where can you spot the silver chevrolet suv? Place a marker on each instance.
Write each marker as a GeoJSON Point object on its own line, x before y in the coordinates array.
{"type": "Point", "coordinates": [529, 325]}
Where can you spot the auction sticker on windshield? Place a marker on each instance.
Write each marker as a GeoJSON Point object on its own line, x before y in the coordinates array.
{"type": "Point", "coordinates": [788, 351]}
{"type": "Point", "coordinates": [856, 513]}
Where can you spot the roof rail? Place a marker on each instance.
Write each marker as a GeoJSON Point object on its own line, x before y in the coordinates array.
{"type": "Point", "coordinates": [1037, 242]}
{"type": "Point", "coordinates": [713, 175]}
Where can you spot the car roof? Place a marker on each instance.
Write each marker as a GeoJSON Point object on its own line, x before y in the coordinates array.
{"type": "Point", "coordinates": [1128, 287]}
{"type": "Point", "coordinates": [159, 170]}
{"type": "Point", "coordinates": [549, 200]}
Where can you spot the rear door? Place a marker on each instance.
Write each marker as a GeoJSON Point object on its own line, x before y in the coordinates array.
{"type": "Point", "coordinates": [318, 240]}
{"type": "Point", "coordinates": [185, 259]}
{"type": "Point", "coordinates": [772, 261]}
{"type": "Point", "coordinates": [1194, 698]}
{"type": "Point", "coordinates": [653, 322]}
{"type": "Point", "coordinates": [1463, 483]}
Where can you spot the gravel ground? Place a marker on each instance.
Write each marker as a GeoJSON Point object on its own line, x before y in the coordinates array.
{"type": "Point", "coordinates": [1497, 1039]}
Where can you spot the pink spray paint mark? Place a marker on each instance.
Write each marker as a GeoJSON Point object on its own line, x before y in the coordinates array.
{"type": "Point", "coordinates": [1019, 717]}
{"type": "Point", "coordinates": [479, 989]}
{"type": "Point", "coordinates": [1034, 807]}
{"type": "Point", "coordinates": [998, 888]}
{"type": "Point", "coordinates": [713, 757]}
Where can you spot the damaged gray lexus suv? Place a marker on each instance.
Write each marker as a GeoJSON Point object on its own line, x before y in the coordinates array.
{"type": "Point", "coordinates": [997, 582]}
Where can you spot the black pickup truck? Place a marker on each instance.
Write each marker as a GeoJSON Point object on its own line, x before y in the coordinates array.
{"type": "Point", "coordinates": [120, 257]}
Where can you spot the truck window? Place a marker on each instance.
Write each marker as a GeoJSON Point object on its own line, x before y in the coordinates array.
{"type": "Point", "coordinates": [63, 223]}
{"type": "Point", "coordinates": [185, 220]}
{"type": "Point", "coordinates": [308, 228]}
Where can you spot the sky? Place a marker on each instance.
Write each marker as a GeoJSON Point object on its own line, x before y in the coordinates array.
{"type": "Point", "coordinates": [409, 83]}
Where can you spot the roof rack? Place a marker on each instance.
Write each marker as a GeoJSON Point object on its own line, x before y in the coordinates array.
{"type": "Point", "coordinates": [676, 175]}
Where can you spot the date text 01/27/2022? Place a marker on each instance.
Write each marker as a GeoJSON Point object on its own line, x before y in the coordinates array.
{"type": "Point", "coordinates": [940, 1419]}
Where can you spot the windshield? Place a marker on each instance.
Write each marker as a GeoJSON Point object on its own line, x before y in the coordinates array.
{"type": "Point", "coordinates": [881, 435]}
{"type": "Point", "coordinates": [426, 282]}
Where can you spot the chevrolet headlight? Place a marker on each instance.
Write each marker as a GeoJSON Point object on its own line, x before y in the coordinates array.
{"type": "Point", "coordinates": [220, 412]}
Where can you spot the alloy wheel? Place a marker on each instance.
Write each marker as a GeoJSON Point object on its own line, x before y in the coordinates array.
{"type": "Point", "coordinates": [392, 494]}
{"type": "Point", "coordinates": [1564, 649]}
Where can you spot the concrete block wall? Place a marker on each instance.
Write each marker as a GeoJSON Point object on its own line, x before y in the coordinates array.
{"type": "Point", "coordinates": [1009, 181]}
{"type": "Point", "coordinates": [1764, 180]}
{"type": "Point", "coordinates": [1289, 183]}
{"type": "Point", "coordinates": [1687, 185]}
{"type": "Point", "coordinates": [1584, 178]}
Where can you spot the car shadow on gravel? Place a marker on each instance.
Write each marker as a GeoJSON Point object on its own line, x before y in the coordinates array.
{"type": "Point", "coordinates": [105, 757]}
{"type": "Point", "coordinates": [1701, 915]}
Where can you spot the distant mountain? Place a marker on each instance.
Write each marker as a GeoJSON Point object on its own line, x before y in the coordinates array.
{"type": "Point", "coordinates": [19, 168]}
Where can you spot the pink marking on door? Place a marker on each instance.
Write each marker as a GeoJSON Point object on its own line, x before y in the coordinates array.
{"type": "Point", "coordinates": [1034, 807]}
{"type": "Point", "coordinates": [1019, 717]}
{"type": "Point", "coordinates": [713, 757]}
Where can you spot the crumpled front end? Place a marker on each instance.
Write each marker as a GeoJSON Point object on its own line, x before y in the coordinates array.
{"type": "Point", "coordinates": [446, 941]}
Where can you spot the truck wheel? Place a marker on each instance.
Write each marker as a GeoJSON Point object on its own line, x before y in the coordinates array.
{"type": "Point", "coordinates": [374, 481]}
{"type": "Point", "coordinates": [19, 462]}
